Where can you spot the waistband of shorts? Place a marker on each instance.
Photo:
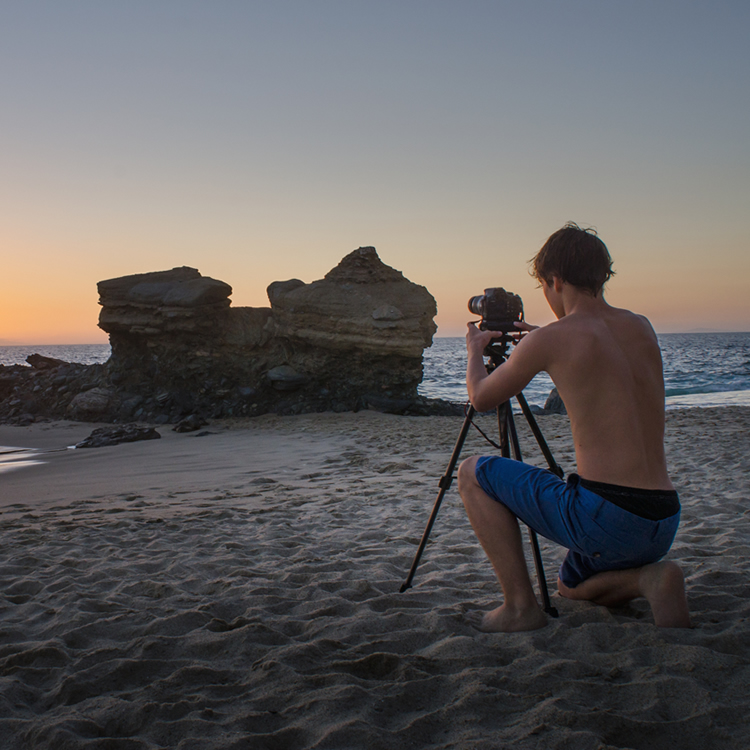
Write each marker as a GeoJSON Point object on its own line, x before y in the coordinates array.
{"type": "Point", "coordinates": [654, 505]}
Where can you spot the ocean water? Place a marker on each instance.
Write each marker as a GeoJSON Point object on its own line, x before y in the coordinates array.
{"type": "Point", "coordinates": [700, 369]}
{"type": "Point", "coordinates": [86, 354]}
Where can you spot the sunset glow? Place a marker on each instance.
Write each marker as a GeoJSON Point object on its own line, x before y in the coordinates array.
{"type": "Point", "coordinates": [262, 141]}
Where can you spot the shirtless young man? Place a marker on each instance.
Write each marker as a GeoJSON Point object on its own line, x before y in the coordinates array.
{"type": "Point", "coordinates": [621, 514]}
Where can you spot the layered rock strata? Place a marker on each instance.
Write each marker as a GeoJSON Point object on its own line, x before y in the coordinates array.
{"type": "Point", "coordinates": [357, 335]}
{"type": "Point", "coordinates": [351, 340]}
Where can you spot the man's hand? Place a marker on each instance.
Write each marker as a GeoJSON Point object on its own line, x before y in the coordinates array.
{"type": "Point", "coordinates": [487, 390]}
{"type": "Point", "coordinates": [478, 340]}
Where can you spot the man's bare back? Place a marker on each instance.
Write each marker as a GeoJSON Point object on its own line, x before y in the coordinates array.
{"type": "Point", "coordinates": [607, 367]}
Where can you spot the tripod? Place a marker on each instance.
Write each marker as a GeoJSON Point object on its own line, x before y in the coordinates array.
{"type": "Point", "coordinates": [497, 352]}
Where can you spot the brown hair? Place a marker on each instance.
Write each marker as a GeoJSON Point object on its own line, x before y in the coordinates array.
{"type": "Point", "coordinates": [576, 256]}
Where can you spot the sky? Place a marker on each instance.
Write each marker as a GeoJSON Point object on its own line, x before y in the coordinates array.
{"type": "Point", "coordinates": [263, 141]}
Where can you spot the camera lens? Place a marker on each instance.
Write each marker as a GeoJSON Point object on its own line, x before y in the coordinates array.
{"type": "Point", "coordinates": [476, 304]}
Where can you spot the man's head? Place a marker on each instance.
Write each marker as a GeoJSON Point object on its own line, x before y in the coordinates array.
{"type": "Point", "coordinates": [577, 257]}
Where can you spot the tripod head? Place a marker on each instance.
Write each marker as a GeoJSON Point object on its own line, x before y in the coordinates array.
{"type": "Point", "coordinates": [497, 350]}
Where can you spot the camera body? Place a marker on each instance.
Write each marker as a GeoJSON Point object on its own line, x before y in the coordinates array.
{"type": "Point", "coordinates": [499, 310]}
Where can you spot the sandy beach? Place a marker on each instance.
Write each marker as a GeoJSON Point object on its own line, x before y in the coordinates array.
{"type": "Point", "coordinates": [240, 590]}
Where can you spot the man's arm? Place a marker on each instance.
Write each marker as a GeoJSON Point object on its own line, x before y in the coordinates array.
{"type": "Point", "coordinates": [487, 391]}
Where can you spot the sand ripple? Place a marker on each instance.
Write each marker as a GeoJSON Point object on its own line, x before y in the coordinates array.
{"type": "Point", "coordinates": [267, 615]}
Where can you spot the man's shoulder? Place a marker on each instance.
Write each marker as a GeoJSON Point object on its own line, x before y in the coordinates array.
{"type": "Point", "coordinates": [605, 317]}
{"type": "Point", "coordinates": [541, 344]}
{"type": "Point", "coordinates": [576, 335]}
{"type": "Point", "coordinates": [637, 323]}
{"type": "Point", "coordinates": [565, 326]}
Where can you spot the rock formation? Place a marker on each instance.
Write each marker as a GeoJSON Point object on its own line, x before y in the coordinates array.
{"type": "Point", "coordinates": [554, 404]}
{"type": "Point", "coordinates": [43, 390]}
{"type": "Point", "coordinates": [103, 437]}
{"type": "Point", "coordinates": [176, 341]}
{"type": "Point", "coordinates": [360, 306]}
{"type": "Point", "coordinates": [358, 333]}
{"type": "Point", "coordinates": [351, 340]}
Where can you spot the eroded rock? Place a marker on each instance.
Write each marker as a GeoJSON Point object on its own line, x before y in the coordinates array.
{"type": "Point", "coordinates": [151, 304]}
{"type": "Point", "coordinates": [361, 305]}
{"type": "Point", "coordinates": [554, 404]}
{"type": "Point", "coordinates": [104, 436]}
{"type": "Point", "coordinates": [40, 362]}
{"type": "Point", "coordinates": [351, 340]}
{"type": "Point", "coordinates": [190, 424]}
{"type": "Point", "coordinates": [91, 404]}
{"type": "Point", "coordinates": [358, 332]}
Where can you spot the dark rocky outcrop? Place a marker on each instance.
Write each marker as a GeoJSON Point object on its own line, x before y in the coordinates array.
{"type": "Point", "coordinates": [554, 404]}
{"type": "Point", "coordinates": [351, 340]}
{"type": "Point", "coordinates": [129, 433]}
{"type": "Point", "coordinates": [27, 393]}
{"type": "Point", "coordinates": [191, 423]}
{"type": "Point", "coordinates": [40, 362]}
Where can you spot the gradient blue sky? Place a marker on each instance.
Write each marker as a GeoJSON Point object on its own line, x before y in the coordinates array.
{"type": "Point", "coordinates": [259, 141]}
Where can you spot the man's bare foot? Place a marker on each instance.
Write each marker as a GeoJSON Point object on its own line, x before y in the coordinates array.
{"type": "Point", "coordinates": [663, 585]}
{"type": "Point", "coordinates": [506, 620]}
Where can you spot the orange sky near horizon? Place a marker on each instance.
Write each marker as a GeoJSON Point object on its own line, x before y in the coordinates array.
{"type": "Point", "coordinates": [60, 305]}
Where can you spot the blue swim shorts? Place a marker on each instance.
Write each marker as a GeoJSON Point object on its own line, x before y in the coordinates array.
{"type": "Point", "coordinates": [598, 534]}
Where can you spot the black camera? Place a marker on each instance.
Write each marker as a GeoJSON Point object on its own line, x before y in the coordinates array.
{"type": "Point", "coordinates": [499, 310]}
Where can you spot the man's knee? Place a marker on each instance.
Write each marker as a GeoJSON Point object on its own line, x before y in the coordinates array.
{"type": "Point", "coordinates": [467, 474]}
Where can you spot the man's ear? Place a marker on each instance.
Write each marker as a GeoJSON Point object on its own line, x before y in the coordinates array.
{"type": "Point", "coordinates": [557, 283]}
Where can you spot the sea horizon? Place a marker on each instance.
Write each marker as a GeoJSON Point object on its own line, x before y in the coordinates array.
{"type": "Point", "coordinates": [693, 331]}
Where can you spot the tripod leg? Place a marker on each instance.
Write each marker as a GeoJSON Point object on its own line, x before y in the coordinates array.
{"type": "Point", "coordinates": [539, 565]}
{"type": "Point", "coordinates": [553, 466]}
{"type": "Point", "coordinates": [445, 482]}
{"type": "Point", "coordinates": [503, 423]}
{"type": "Point", "coordinates": [536, 552]}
